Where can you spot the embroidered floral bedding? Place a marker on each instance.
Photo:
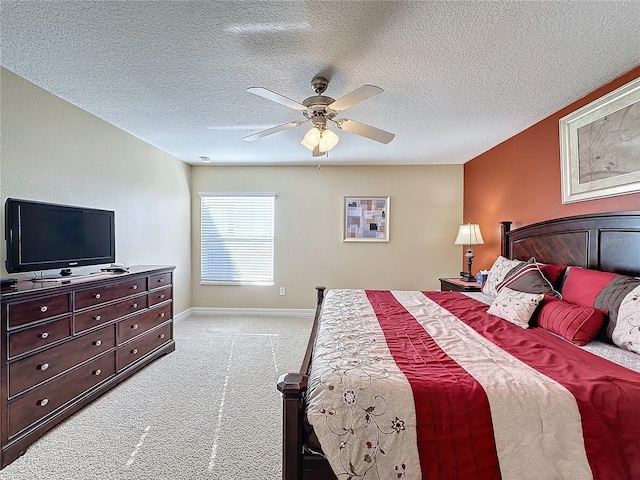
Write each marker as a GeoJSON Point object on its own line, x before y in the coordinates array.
{"type": "Point", "coordinates": [412, 385]}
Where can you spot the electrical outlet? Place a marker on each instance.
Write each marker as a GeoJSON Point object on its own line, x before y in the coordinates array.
{"type": "Point", "coordinates": [283, 291]}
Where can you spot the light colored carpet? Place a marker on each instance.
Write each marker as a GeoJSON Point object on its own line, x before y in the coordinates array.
{"type": "Point", "coordinates": [209, 410]}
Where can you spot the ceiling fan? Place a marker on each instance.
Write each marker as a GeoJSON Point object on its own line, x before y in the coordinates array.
{"type": "Point", "coordinates": [320, 109]}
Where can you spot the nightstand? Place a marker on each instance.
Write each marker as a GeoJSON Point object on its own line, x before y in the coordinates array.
{"type": "Point", "coordinates": [457, 285]}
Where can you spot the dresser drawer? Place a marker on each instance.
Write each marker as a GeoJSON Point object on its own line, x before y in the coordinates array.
{"type": "Point", "coordinates": [30, 371]}
{"type": "Point", "coordinates": [107, 293]}
{"type": "Point", "coordinates": [159, 296]}
{"type": "Point", "coordinates": [134, 326]}
{"type": "Point", "coordinates": [44, 400]}
{"type": "Point", "coordinates": [97, 316]}
{"type": "Point", "coordinates": [39, 336]}
{"type": "Point", "coordinates": [132, 351]}
{"type": "Point", "coordinates": [160, 280]}
{"type": "Point", "coordinates": [40, 309]}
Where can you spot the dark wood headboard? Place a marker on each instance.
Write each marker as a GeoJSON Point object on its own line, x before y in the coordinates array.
{"type": "Point", "coordinates": [600, 241]}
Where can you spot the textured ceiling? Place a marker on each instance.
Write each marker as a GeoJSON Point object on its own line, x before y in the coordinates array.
{"type": "Point", "coordinates": [458, 77]}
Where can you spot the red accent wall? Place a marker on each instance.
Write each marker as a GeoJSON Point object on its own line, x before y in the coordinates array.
{"type": "Point", "coordinates": [519, 180]}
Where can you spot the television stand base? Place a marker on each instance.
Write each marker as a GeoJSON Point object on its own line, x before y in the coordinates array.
{"type": "Point", "coordinates": [70, 278]}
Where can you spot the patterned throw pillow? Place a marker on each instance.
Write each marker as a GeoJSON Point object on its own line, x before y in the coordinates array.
{"type": "Point", "coordinates": [626, 333]}
{"type": "Point", "coordinates": [515, 307]}
{"type": "Point", "coordinates": [529, 279]}
{"type": "Point", "coordinates": [576, 323]}
{"type": "Point", "coordinates": [600, 290]}
{"type": "Point", "coordinates": [501, 268]}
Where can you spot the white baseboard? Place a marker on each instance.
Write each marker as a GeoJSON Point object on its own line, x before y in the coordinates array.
{"type": "Point", "coordinates": [256, 312]}
{"type": "Point", "coordinates": [182, 315]}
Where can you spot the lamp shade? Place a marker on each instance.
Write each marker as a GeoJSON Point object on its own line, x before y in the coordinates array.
{"type": "Point", "coordinates": [328, 140]}
{"type": "Point", "coordinates": [469, 234]}
{"type": "Point", "coordinates": [311, 138]}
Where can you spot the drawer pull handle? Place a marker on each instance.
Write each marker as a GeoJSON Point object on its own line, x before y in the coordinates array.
{"type": "Point", "coordinates": [134, 287]}
{"type": "Point", "coordinates": [97, 295]}
{"type": "Point", "coordinates": [162, 315]}
{"type": "Point", "coordinates": [161, 335]}
{"type": "Point", "coordinates": [43, 367]}
{"type": "Point", "coordinates": [44, 334]}
{"type": "Point", "coordinates": [161, 280]}
{"type": "Point", "coordinates": [44, 308]}
{"type": "Point", "coordinates": [135, 305]}
{"type": "Point", "coordinates": [134, 351]}
{"type": "Point", "coordinates": [161, 296]}
{"type": "Point", "coordinates": [97, 343]}
{"type": "Point", "coordinates": [97, 318]}
{"type": "Point", "coordinates": [97, 372]}
{"type": "Point", "coordinates": [134, 326]}
{"type": "Point", "coordinates": [43, 402]}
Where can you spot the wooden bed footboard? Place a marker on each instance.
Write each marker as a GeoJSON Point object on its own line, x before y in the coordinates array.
{"type": "Point", "coordinates": [293, 387]}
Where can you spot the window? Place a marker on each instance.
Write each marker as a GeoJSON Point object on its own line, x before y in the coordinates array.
{"type": "Point", "coordinates": [237, 238]}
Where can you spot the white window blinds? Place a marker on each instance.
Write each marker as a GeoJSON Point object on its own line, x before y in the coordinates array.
{"type": "Point", "coordinates": [237, 238]}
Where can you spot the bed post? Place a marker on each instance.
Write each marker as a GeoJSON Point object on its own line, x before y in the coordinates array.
{"type": "Point", "coordinates": [505, 227]}
{"type": "Point", "coordinates": [292, 386]}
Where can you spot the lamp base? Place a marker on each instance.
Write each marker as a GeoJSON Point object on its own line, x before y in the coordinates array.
{"type": "Point", "coordinates": [467, 277]}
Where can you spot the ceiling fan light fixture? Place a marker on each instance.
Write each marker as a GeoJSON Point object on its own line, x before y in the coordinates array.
{"type": "Point", "coordinates": [328, 140]}
{"type": "Point", "coordinates": [307, 145]}
{"type": "Point", "coordinates": [311, 138]}
{"type": "Point", "coordinates": [319, 109]}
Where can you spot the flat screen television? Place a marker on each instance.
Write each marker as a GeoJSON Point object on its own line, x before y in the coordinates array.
{"type": "Point", "coordinates": [44, 236]}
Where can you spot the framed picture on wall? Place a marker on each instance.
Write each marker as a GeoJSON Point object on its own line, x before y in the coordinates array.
{"type": "Point", "coordinates": [600, 147]}
{"type": "Point", "coordinates": [366, 219]}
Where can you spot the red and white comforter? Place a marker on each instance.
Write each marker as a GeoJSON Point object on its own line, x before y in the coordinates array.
{"type": "Point", "coordinates": [428, 385]}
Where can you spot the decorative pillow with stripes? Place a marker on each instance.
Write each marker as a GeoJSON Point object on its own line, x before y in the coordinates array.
{"type": "Point", "coordinates": [529, 279]}
{"type": "Point", "coordinates": [576, 323]}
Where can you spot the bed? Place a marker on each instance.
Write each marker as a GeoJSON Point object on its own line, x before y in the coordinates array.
{"type": "Point", "coordinates": [499, 384]}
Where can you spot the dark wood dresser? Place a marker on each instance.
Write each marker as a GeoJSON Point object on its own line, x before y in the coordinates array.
{"type": "Point", "coordinates": [66, 343]}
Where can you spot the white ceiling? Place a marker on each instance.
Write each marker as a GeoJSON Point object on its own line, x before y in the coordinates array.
{"type": "Point", "coordinates": [458, 77]}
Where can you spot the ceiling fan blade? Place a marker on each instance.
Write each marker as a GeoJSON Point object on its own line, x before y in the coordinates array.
{"type": "Point", "coordinates": [276, 97]}
{"type": "Point", "coordinates": [270, 131]}
{"type": "Point", "coordinates": [357, 96]}
{"type": "Point", "coordinates": [363, 130]}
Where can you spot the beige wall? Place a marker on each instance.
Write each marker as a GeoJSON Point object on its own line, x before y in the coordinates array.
{"type": "Point", "coordinates": [426, 208]}
{"type": "Point", "coordinates": [55, 152]}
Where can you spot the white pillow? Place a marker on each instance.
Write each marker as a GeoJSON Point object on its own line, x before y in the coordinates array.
{"type": "Point", "coordinates": [515, 307]}
{"type": "Point", "coordinates": [501, 267]}
{"type": "Point", "coordinates": [626, 333]}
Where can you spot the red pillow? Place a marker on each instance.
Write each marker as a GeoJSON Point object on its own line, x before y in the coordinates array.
{"type": "Point", "coordinates": [576, 323]}
{"type": "Point", "coordinates": [582, 285]}
{"type": "Point", "coordinates": [554, 273]}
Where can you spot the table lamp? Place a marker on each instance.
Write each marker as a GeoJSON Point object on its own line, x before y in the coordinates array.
{"type": "Point", "coordinates": [469, 234]}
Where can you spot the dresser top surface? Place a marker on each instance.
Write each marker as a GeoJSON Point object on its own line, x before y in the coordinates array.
{"type": "Point", "coordinates": [28, 286]}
